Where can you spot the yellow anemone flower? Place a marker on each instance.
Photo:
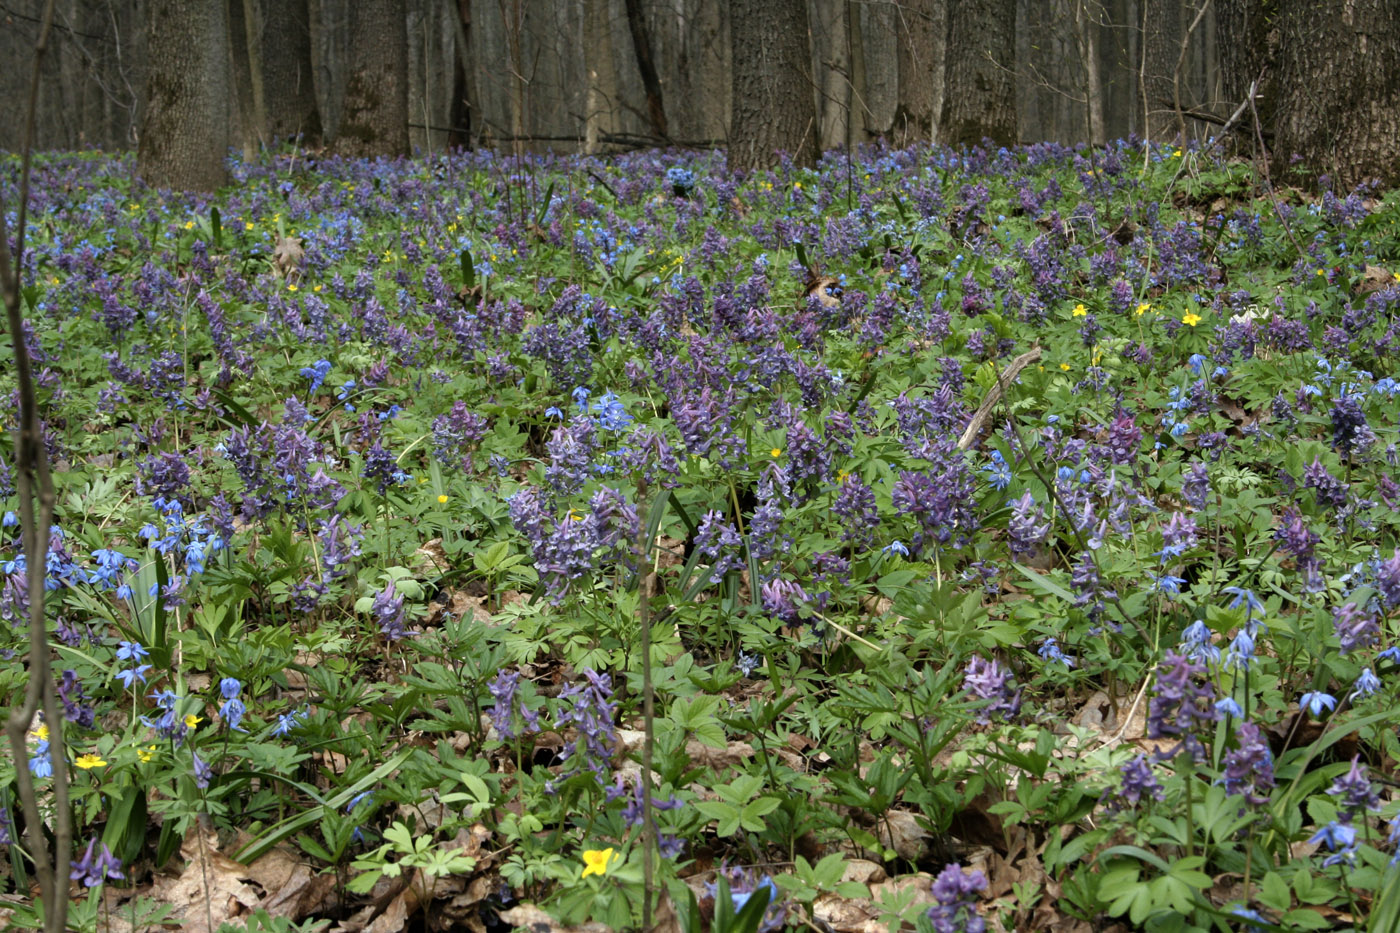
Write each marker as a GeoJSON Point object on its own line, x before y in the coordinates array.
{"type": "Point", "coordinates": [596, 861]}
{"type": "Point", "coordinates": [89, 761]}
{"type": "Point", "coordinates": [1191, 319]}
{"type": "Point", "coordinates": [1079, 311]}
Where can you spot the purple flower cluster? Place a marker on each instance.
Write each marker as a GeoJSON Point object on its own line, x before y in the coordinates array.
{"type": "Point", "coordinates": [988, 681]}
{"type": "Point", "coordinates": [588, 710]}
{"type": "Point", "coordinates": [955, 892]}
{"type": "Point", "coordinates": [1183, 706]}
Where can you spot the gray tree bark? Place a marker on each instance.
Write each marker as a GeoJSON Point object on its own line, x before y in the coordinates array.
{"type": "Point", "coordinates": [774, 107]}
{"type": "Point", "coordinates": [980, 95]}
{"type": "Point", "coordinates": [922, 27]}
{"type": "Point", "coordinates": [374, 114]}
{"type": "Point", "coordinates": [1161, 26]}
{"type": "Point", "coordinates": [1339, 88]}
{"type": "Point", "coordinates": [289, 95]}
{"type": "Point", "coordinates": [185, 127]}
{"type": "Point", "coordinates": [242, 77]}
{"type": "Point", "coordinates": [602, 75]}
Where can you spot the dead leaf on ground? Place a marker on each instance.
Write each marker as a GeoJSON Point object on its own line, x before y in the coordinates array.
{"type": "Point", "coordinates": [287, 256]}
{"type": "Point", "coordinates": [536, 920]}
{"type": "Point", "coordinates": [210, 890]}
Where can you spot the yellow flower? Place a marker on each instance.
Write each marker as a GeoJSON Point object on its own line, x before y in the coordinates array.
{"type": "Point", "coordinates": [192, 722]}
{"type": "Point", "coordinates": [1321, 271]}
{"type": "Point", "coordinates": [596, 861]}
{"type": "Point", "coordinates": [797, 185]}
{"type": "Point", "coordinates": [247, 225]}
{"type": "Point", "coordinates": [776, 452]}
{"type": "Point", "coordinates": [147, 753]}
{"type": "Point", "coordinates": [41, 732]}
{"type": "Point", "coordinates": [1143, 309]}
{"type": "Point", "coordinates": [1079, 311]}
{"type": "Point", "coordinates": [189, 225]}
{"type": "Point", "coordinates": [1065, 367]}
{"type": "Point", "coordinates": [442, 500]}
{"type": "Point", "coordinates": [291, 286]}
{"type": "Point", "coordinates": [1191, 319]}
{"type": "Point", "coordinates": [315, 288]}
{"type": "Point", "coordinates": [90, 761]}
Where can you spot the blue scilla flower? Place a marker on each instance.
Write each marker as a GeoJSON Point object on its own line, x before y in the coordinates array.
{"type": "Point", "coordinates": [612, 416]}
{"type": "Point", "coordinates": [1315, 701]}
{"type": "Point", "coordinates": [998, 472]}
{"type": "Point", "coordinates": [129, 676]}
{"type": "Point", "coordinates": [317, 373]}
{"type": "Point", "coordinates": [287, 722]}
{"type": "Point", "coordinates": [896, 547]}
{"type": "Point", "coordinates": [1367, 684]}
{"type": "Point", "coordinates": [1228, 707]}
{"type": "Point", "coordinates": [41, 764]}
{"type": "Point", "coordinates": [131, 651]}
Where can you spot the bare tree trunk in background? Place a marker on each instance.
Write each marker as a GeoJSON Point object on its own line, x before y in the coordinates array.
{"type": "Point", "coordinates": [1242, 38]}
{"type": "Point", "coordinates": [241, 76]}
{"type": "Point", "coordinates": [1086, 38]}
{"type": "Point", "coordinates": [374, 117]}
{"type": "Point", "coordinates": [832, 54]}
{"type": "Point", "coordinates": [774, 107]}
{"type": "Point", "coordinates": [641, 47]}
{"type": "Point", "coordinates": [1161, 23]}
{"type": "Point", "coordinates": [980, 94]}
{"type": "Point", "coordinates": [289, 97]}
{"type": "Point", "coordinates": [1339, 88]}
{"type": "Point", "coordinates": [855, 42]}
{"type": "Point", "coordinates": [923, 33]}
{"type": "Point", "coordinates": [602, 74]}
{"type": "Point", "coordinates": [464, 100]}
{"type": "Point", "coordinates": [184, 132]}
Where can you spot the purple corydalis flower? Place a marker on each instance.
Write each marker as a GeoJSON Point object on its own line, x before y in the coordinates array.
{"type": "Point", "coordinates": [388, 612]}
{"type": "Point", "coordinates": [1184, 704]}
{"type": "Point", "coordinates": [1124, 436]}
{"type": "Point", "coordinates": [988, 680]}
{"type": "Point", "coordinates": [1355, 627]}
{"type": "Point", "coordinates": [1138, 783]}
{"type": "Point", "coordinates": [1356, 792]}
{"type": "Point", "coordinates": [1178, 536]}
{"type": "Point", "coordinates": [1331, 492]}
{"type": "Point", "coordinates": [1027, 526]}
{"type": "Point", "coordinates": [588, 708]}
{"type": "Point", "coordinates": [96, 866]}
{"type": "Point", "coordinates": [956, 893]}
{"type": "Point", "coordinates": [1249, 769]}
{"type": "Point", "coordinates": [509, 705]}
{"type": "Point", "coordinates": [781, 599]}
{"type": "Point", "coordinates": [1350, 433]}
{"type": "Point", "coordinates": [855, 506]}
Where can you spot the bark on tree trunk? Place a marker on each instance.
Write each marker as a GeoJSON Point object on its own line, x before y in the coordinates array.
{"type": "Point", "coordinates": [641, 47]}
{"type": "Point", "coordinates": [1087, 42]}
{"type": "Point", "coordinates": [1161, 20]}
{"type": "Point", "coordinates": [774, 107]}
{"type": "Point", "coordinates": [184, 130]}
{"type": "Point", "coordinates": [289, 96]}
{"type": "Point", "coordinates": [1339, 88]}
{"type": "Point", "coordinates": [602, 75]}
{"type": "Point", "coordinates": [980, 94]}
{"type": "Point", "coordinates": [923, 32]}
{"type": "Point", "coordinates": [241, 78]}
{"type": "Point", "coordinates": [374, 116]}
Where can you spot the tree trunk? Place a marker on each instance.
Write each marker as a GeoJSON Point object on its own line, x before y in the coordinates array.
{"type": "Point", "coordinates": [831, 52]}
{"type": "Point", "coordinates": [923, 32]}
{"type": "Point", "coordinates": [184, 131]}
{"type": "Point", "coordinates": [1086, 38]}
{"type": "Point", "coordinates": [980, 94]}
{"type": "Point", "coordinates": [602, 74]}
{"type": "Point", "coordinates": [374, 116]}
{"type": "Point", "coordinates": [289, 97]}
{"type": "Point", "coordinates": [774, 106]}
{"type": "Point", "coordinates": [641, 47]}
{"type": "Point", "coordinates": [855, 41]}
{"type": "Point", "coordinates": [1161, 24]}
{"type": "Point", "coordinates": [1339, 88]}
{"type": "Point", "coordinates": [241, 76]}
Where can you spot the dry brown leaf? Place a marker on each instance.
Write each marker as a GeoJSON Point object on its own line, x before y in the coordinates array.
{"type": "Point", "coordinates": [846, 915]}
{"type": "Point", "coordinates": [536, 920]}
{"type": "Point", "coordinates": [210, 890]}
{"type": "Point", "coordinates": [900, 830]}
{"type": "Point", "coordinates": [287, 256]}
